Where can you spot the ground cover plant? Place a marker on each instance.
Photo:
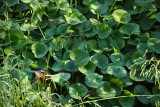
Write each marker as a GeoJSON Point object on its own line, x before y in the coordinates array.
{"type": "Point", "coordinates": [79, 53]}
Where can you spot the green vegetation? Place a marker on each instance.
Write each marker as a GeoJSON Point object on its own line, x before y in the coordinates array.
{"type": "Point", "coordinates": [100, 53]}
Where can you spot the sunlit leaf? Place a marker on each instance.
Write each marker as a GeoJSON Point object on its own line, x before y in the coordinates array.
{"type": "Point", "coordinates": [60, 77]}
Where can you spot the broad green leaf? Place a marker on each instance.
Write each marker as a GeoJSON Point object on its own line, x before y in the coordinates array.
{"type": "Point", "coordinates": [154, 44]}
{"type": "Point", "coordinates": [142, 90]}
{"type": "Point", "coordinates": [58, 43]}
{"type": "Point", "coordinates": [94, 80]}
{"type": "Point", "coordinates": [62, 29]}
{"type": "Point", "coordinates": [117, 57]}
{"type": "Point", "coordinates": [98, 8]}
{"type": "Point", "coordinates": [121, 16]}
{"type": "Point", "coordinates": [85, 26]}
{"type": "Point", "coordinates": [70, 66]}
{"type": "Point", "coordinates": [77, 90]}
{"type": "Point", "coordinates": [72, 20]}
{"type": "Point", "coordinates": [105, 44]}
{"type": "Point", "coordinates": [39, 49]}
{"type": "Point", "coordinates": [143, 47]}
{"type": "Point", "coordinates": [57, 66]}
{"type": "Point", "coordinates": [127, 102]}
{"type": "Point", "coordinates": [158, 16]}
{"type": "Point", "coordinates": [119, 71]}
{"type": "Point", "coordinates": [145, 23]}
{"type": "Point", "coordinates": [129, 28]}
{"type": "Point", "coordinates": [89, 2]}
{"type": "Point", "coordinates": [99, 60]}
{"type": "Point", "coordinates": [16, 34]}
{"type": "Point", "coordinates": [10, 2]}
{"type": "Point", "coordinates": [87, 69]}
{"type": "Point", "coordinates": [27, 1]}
{"type": "Point", "coordinates": [138, 57]}
{"type": "Point", "coordinates": [142, 2]}
{"type": "Point", "coordinates": [106, 91]}
{"type": "Point", "coordinates": [60, 77]}
{"type": "Point", "coordinates": [127, 81]}
{"type": "Point", "coordinates": [27, 27]}
{"type": "Point", "coordinates": [50, 31]}
{"type": "Point", "coordinates": [104, 31]}
{"type": "Point", "coordinates": [66, 55]}
{"type": "Point", "coordinates": [118, 43]}
{"type": "Point", "coordinates": [69, 44]}
{"type": "Point", "coordinates": [118, 82]}
{"type": "Point", "coordinates": [80, 56]}
{"type": "Point", "coordinates": [92, 44]}
{"type": "Point", "coordinates": [63, 4]}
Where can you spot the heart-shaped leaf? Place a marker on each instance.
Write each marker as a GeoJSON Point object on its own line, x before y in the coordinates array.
{"type": "Point", "coordinates": [129, 28]}
{"type": "Point", "coordinates": [118, 43]}
{"type": "Point", "coordinates": [99, 60]}
{"type": "Point", "coordinates": [121, 16]}
{"type": "Point", "coordinates": [94, 80]}
{"type": "Point", "coordinates": [106, 91]}
{"type": "Point", "coordinates": [39, 49]}
{"type": "Point", "coordinates": [80, 56]}
{"type": "Point", "coordinates": [77, 90]}
{"type": "Point", "coordinates": [60, 77]}
{"type": "Point", "coordinates": [70, 66]}
{"type": "Point", "coordinates": [117, 57]}
{"type": "Point", "coordinates": [62, 29]}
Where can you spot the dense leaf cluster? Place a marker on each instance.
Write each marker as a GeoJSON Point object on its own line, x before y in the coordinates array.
{"type": "Point", "coordinates": [91, 49]}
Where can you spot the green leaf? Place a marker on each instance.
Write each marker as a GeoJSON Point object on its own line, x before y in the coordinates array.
{"type": "Point", "coordinates": [99, 60]}
{"type": "Point", "coordinates": [138, 57]}
{"type": "Point", "coordinates": [121, 16]}
{"type": "Point", "coordinates": [50, 31]}
{"type": "Point", "coordinates": [27, 1]}
{"type": "Point", "coordinates": [72, 20]}
{"type": "Point", "coordinates": [142, 2]}
{"type": "Point", "coordinates": [39, 49]}
{"type": "Point", "coordinates": [117, 71]}
{"type": "Point", "coordinates": [80, 56]}
{"type": "Point", "coordinates": [129, 29]}
{"type": "Point", "coordinates": [145, 23]}
{"type": "Point", "coordinates": [60, 77]}
{"type": "Point", "coordinates": [58, 43]}
{"type": "Point", "coordinates": [117, 57]}
{"type": "Point", "coordinates": [98, 8]}
{"type": "Point", "coordinates": [57, 66]}
{"type": "Point", "coordinates": [70, 66]}
{"type": "Point", "coordinates": [89, 2]}
{"type": "Point", "coordinates": [158, 16]}
{"type": "Point", "coordinates": [127, 102]}
{"type": "Point", "coordinates": [104, 31]}
{"type": "Point", "coordinates": [154, 44]}
{"type": "Point", "coordinates": [63, 4]}
{"type": "Point", "coordinates": [27, 27]}
{"type": "Point", "coordinates": [87, 69]}
{"type": "Point", "coordinates": [62, 29]}
{"type": "Point", "coordinates": [10, 2]}
{"type": "Point", "coordinates": [118, 43]}
{"type": "Point", "coordinates": [142, 90]}
{"type": "Point", "coordinates": [106, 91]}
{"type": "Point", "coordinates": [77, 90]}
{"type": "Point", "coordinates": [94, 80]}
{"type": "Point", "coordinates": [104, 44]}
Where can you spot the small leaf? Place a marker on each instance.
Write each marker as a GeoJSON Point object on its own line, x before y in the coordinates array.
{"type": "Point", "coordinates": [129, 29]}
{"type": "Point", "coordinates": [94, 80]}
{"type": "Point", "coordinates": [127, 102]}
{"type": "Point", "coordinates": [89, 2]}
{"type": "Point", "coordinates": [106, 91]}
{"type": "Point", "coordinates": [50, 31]}
{"type": "Point", "coordinates": [77, 90]}
{"type": "Point", "coordinates": [87, 69]}
{"type": "Point", "coordinates": [138, 57]}
{"type": "Point", "coordinates": [121, 16]}
{"type": "Point", "coordinates": [118, 43]}
{"type": "Point", "coordinates": [158, 16]}
{"type": "Point", "coordinates": [98, 8]}
{"type": "Point", "coordinates": [60, 77]}
{"type": "Point", "coordinates": [80, 56]}
{"type": "Point", "coordinates": [142, 90]}
{"type": "Point", "coordinates": [154, 44]}
{"type": "Point", "coordinates": [142, 2]}
{"type": "Point", "coordinates": [104, 31]}
{"type": "Point", "coordinates": [27, 1]}
{"type": "Point", "coordinates": [62, 29]}
{"type": "Point", "coordinates": [39, 49]}
{"type": "Point", "coordinates": [99, 60]}
{"type": "Point", "coordinates": [57, 66]}
{"type": "Point", "coordinates": [10, 2]}
{"type": "Point", "coordinates": [70, 66]}
{"type": "Point", "coordinates": [63, 4]}
{"type": "Point", "coordinates": [27, 27]}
